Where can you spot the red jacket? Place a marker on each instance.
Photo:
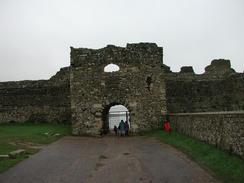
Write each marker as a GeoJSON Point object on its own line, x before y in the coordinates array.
{"type": "Point", "coordinates": [167, 127]}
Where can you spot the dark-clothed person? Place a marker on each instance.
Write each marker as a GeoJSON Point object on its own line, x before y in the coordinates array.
{"type": "Point", "coordinates": [115, 130]}
{"type": "Point", "coordinates": [122, 128]}
{"type": "Point", "coordinates": [127, 128]}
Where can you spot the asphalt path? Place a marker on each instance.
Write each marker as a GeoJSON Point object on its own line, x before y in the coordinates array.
{"type": "Point", "coordinates": [107, 159]}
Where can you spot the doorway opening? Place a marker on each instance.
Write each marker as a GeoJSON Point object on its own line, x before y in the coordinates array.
{"type": "Point", "coordinates": [112, 116]}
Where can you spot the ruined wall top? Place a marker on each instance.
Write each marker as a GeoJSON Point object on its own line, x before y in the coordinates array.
{"type": "Point", "coordinates": [219, 66]}
{"type": "Point", "coordinates": [60, 78]}
{"type": "Point", "coordinates": [218, 69]}
{"type": "Point", "coordinates": [136, 53]}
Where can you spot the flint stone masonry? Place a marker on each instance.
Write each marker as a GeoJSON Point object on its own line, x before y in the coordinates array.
{"type": "Point", "coordinates": [225, 130]}
{"type": "Point", "coordinates": [138, 85]}
{"type": "Point", "coordinates": [36, 101]}
{"type": "Point", "coordinates": [187, 69]}
{"type": "Point", "coordinates": [218, 89]}
{"type": "Point", "coordinates": [219, 67]}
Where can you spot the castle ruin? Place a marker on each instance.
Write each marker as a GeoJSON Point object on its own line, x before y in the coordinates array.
{"type": "Point", "coordinates": [204, 106]}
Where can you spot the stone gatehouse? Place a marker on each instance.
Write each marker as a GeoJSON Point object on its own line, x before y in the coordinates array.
{"type": "Point", "coordinates": [138, 85]}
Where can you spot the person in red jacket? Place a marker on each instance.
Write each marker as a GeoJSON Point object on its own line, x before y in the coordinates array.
{"type": "Point", "coordinates": [167, 127]}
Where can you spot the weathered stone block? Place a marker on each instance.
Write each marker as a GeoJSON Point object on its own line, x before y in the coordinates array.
{"type": "Point", "coordinates": [2, 157]}
{"type": "Point", "coordinates": [16, 153]}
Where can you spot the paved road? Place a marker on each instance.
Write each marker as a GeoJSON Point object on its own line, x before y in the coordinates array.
{"type": "Point", "coordinates": [108, 159]}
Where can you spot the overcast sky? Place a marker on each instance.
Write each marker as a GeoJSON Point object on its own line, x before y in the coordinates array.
{"type": "Point", "coordinates": [35, 35]}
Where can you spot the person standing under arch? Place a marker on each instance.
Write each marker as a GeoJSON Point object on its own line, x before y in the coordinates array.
{"type": "Point", "coordinates": [127, 128]}
{"type": "Point", "coordinates": [122, 128]}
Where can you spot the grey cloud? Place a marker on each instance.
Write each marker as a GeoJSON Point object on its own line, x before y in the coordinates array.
{"type": "Point", "coordinates": [35, 35]}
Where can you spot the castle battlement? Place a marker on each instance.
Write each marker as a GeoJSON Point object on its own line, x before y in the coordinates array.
{"type": "Point", "coordinates": [135, 53]}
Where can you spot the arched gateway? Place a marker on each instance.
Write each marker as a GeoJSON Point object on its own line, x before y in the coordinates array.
{"type": "Point", "coordinates": [138, 85]}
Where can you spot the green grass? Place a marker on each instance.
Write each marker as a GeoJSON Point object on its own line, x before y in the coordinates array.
{"type": "Point", "coordinates": [15, 136]}
{"type": "Point", "coordinates": [227, 168]}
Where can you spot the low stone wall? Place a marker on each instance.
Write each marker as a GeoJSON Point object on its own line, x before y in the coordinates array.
{"type": "Point", "coordinates": [225, 130]}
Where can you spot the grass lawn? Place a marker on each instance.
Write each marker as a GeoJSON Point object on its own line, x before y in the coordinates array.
{"type": "Point", "coordinates": [226, 167]}
{"type": "Point", "coordinates": [28, 136]}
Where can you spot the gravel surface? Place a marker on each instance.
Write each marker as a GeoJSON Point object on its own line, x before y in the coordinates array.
{"type": "Point", "coordinates": [107, 159]}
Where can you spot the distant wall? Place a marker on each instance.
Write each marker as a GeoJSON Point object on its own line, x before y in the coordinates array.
{"type": "Point", "coordinates": [36, 101]}
{"type": "Point", "coordinates": [220, 88]}
{"type": "Point", "coordinates": [222, 129]}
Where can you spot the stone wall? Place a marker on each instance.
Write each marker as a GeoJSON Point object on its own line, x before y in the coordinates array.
{"type": "Point", "coordinates": [138, 85]}
{"type": "Point", "coordinates": [220, 88]}
{"type": "Point", "coordinates": [225, 130]}
{"type": "Point", "coordinates": [83, 92]}
{"type": "Point", "coordinates": [36, 101]}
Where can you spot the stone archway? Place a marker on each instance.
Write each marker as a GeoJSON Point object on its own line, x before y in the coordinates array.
{"type": "Point", "coordinates": [106, 117]}
{"type": "Point", "coordinates": [138, 84]}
